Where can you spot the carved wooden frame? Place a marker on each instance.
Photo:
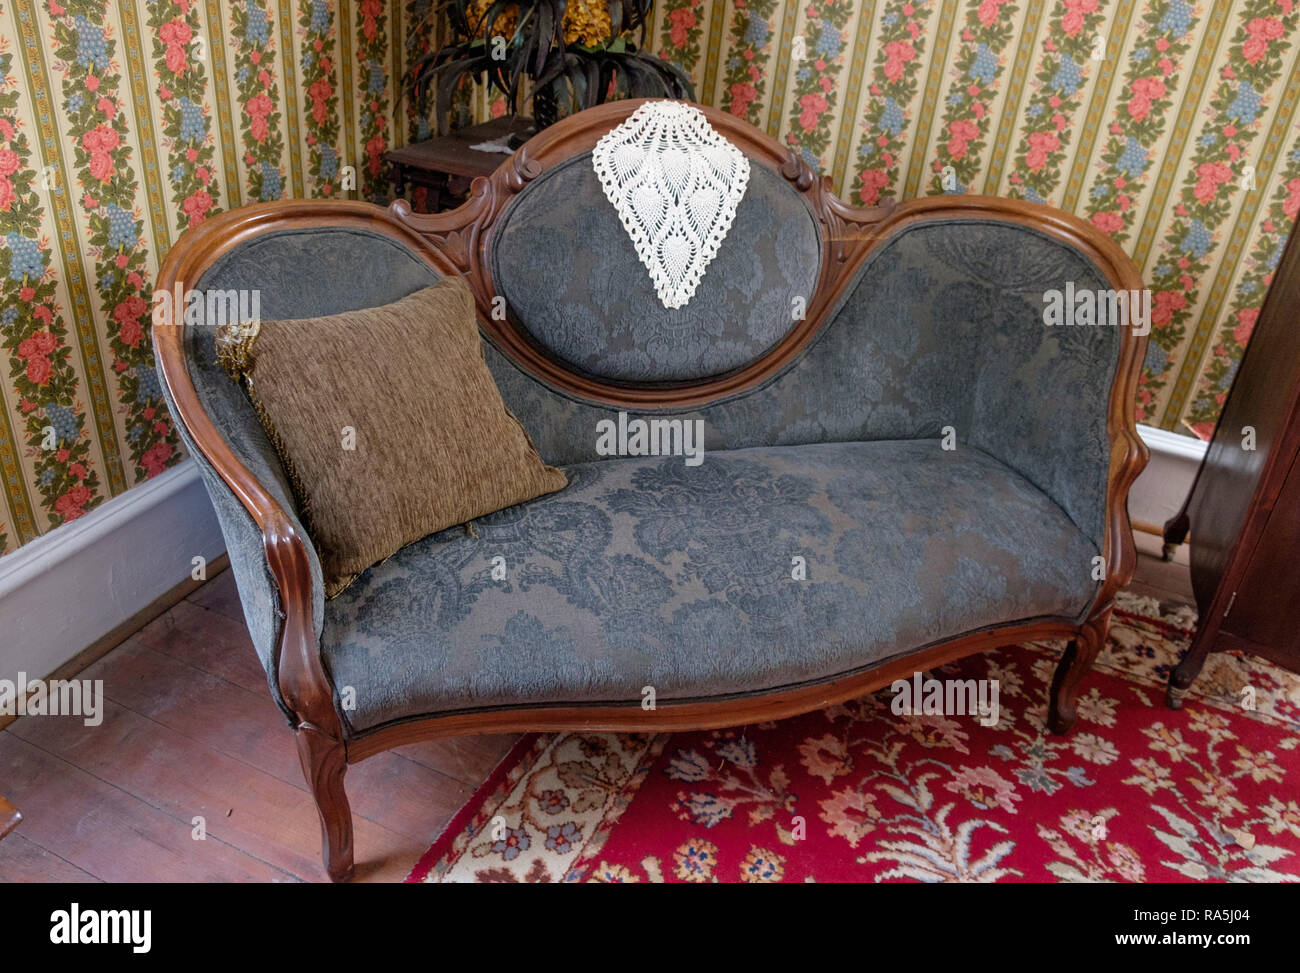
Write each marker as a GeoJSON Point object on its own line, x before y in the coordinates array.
{"type": "Point", "coordinates": [459, 242]}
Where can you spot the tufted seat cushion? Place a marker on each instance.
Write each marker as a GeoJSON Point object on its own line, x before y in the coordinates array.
{"type": "Point", "coordinates": [647, 572]}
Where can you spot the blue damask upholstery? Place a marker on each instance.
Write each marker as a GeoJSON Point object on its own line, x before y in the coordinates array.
{"type": "Point", "coordinates": [942, 327]}
{"type": "Point", "coordinates": [905, 544]}
{"type": "Point", "coordinates": [646, 572]}
{"type": "Point", "coordinates": [572, 278]}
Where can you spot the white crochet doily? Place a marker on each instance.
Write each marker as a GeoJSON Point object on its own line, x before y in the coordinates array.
{"type": "Point", "coordinates": [675, 183]}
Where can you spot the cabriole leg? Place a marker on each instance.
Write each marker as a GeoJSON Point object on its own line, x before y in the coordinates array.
{"type": "Point", "coordinates": [324, 762]}
{"type": "Point", "coordinates": [1079, 656]}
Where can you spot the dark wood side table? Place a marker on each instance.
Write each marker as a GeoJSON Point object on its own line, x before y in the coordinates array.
{"type": "Point", "coordinates": [445, 166]}
{"type": "Point", "coordinates": [9, 817]}
{"type": "Point", "coordinates": [1244, 508]}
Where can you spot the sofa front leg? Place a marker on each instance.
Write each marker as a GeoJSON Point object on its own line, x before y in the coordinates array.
{"type": "Point", "coordinates": [1079, 656]}
{"type": "Point", "coordinates": [324, 762]}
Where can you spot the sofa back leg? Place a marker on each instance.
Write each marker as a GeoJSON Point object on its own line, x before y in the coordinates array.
{"type": "Point", "coordinates": [324, 762]}
{"type": "Point", "coordinates": [1079, 656]}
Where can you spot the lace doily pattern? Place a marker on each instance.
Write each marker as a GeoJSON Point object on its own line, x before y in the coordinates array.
{"type": "Point", "coordinates": [675, 183]}
{"type": "Point", "coordinates": [574, 283]}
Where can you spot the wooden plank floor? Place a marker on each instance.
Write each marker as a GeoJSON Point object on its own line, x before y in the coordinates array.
{"type": "Point", "coordinates": [190, 731]}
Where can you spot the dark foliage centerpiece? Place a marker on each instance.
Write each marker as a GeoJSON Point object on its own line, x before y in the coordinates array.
{"type": "Point", "coordinates": [568, 54]}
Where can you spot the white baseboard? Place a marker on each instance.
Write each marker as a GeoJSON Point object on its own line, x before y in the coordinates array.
{"type": "Point", "coordinates": [1159, 492]}
{"type": "Point", "coordinates": [67, 589]}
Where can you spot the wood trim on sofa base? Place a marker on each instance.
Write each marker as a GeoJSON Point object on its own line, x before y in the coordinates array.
{"type": "Point", "coordinates": [325, 760]}
{"type": "Point", "coordinates": [737, 710]}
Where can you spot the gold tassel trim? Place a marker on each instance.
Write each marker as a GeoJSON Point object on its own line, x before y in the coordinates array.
{"type": "Point", "coordinates": [234, 344]}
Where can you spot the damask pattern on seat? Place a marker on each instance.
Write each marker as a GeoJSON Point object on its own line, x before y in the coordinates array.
{"type": "Point", "coordinates": [646, 572]}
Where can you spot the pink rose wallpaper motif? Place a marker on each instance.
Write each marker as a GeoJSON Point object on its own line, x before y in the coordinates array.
{"type": "Point", "coordinates": [1169, 124]}
{"type": "Point", "coordinates": [253, 31]}
{"type": "Point", "coordinates": [978, 66]}
{"type": "Point", "coordinates": [1185, 256]}
{"type": "Point", "coordinates": [752, 43]}
{"type": "Point", "coordinates": [160, 114]}
{"type": "Point", "coordinates": [1145, 117]}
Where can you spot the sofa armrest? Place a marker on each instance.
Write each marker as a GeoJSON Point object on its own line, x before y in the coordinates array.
{"type": "Point", "coordinates": [263, 249]}
{"type": "Point", "coordinates": [276, 567]}
{"type": "Point", "coordinates": [253, 551]}
{"type": "Point", "coordinates": [944, 327]}
{"type": "Point", "coordinates": [1057, 402]}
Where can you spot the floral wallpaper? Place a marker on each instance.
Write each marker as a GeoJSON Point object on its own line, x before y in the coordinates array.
{"type": "Point", "coordinates": [122, 124]}
{"type": "Point", "coordinates": [1170, 125]}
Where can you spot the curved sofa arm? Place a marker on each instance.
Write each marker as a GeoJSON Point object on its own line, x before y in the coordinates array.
{"type": "Point", "coordinates": [276, 567]}
{"type": "Point", "coordinates": [275, 564]}
{"type": "Point", "coordinates": [940, 328]}
{"type": "Point", "coordinates": [1023, 387]}
{"type": "Point", "coordinates": [248, 546]}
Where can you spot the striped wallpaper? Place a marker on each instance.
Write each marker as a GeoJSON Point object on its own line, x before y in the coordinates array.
{"type": "Point", "coordinates": [1171, 126]}
{"type": "Point", "coordinates": [121, 125]}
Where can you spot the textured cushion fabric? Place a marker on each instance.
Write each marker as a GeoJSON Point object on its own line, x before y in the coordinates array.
{"type": "Point", "coordinates": [942, 327]}
{"type": "Point", "coordinates": [888, 342]}
{"type": "Point", "coordinates": [571, 277]}
{"type": "Point", "coordinates": [387, 423]}
{"type": "Point", "coordinates": [648, 572]}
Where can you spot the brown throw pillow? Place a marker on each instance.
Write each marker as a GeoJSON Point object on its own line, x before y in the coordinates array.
{"type": "Point", "coordinates": [388, 423]}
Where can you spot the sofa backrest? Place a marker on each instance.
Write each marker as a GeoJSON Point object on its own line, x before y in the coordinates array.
{"type": "Point", "coordinates": [941, 327]}
{"type": "Point", "coordinates": [574, 284]}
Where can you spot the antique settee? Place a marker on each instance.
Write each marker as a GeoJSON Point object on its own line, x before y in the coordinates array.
{"type": "Point", "coordinates": [883, 405]}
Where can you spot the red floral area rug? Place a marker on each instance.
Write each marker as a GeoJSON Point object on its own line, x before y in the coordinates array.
{"type": "Point", "coordinates": [857, 793]}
